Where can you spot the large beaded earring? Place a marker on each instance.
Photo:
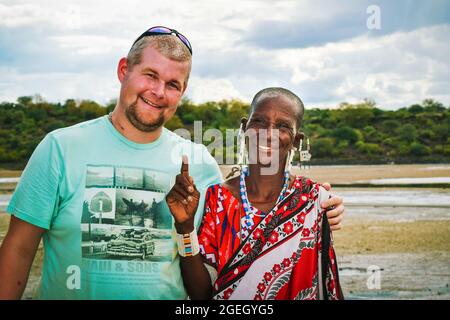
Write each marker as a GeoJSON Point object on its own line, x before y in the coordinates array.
{"type": "Point", "coordinates": [242, 150]}
{"type": "Point", "coordinates": [242, 157]}
{"type": "Point", "coordinates": [305, 155]}
{"type": "Point", "coordinates": [289, 159]}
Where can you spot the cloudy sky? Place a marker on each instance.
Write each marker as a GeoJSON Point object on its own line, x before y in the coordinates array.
{"type": "Point", "coordinates": [326, 51]}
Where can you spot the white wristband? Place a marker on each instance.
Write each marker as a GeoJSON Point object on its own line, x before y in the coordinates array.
{"type": "Point", "coordinates": [188, 244]}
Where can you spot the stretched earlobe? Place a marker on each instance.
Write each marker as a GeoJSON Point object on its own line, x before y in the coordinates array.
{"type": "Point", "coordinates": [242, 149]}
{"type": "Point", "coordinates": [298, 137]}
{"type": "Point", "coordinates": [244, 122]}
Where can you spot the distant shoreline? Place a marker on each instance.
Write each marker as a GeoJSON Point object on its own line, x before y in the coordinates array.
{"type": "Point", "coordinates": [371, 176]}
{"type": "Point", "coordinates": [377, 185]}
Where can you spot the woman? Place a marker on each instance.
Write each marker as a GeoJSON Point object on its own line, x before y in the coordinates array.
{"type": "Point", "coordinates": [263, 236]}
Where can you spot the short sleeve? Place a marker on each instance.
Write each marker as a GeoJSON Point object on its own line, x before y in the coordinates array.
{"type": "Point", "coordinates": [207, 232]}
{"type": "Point", "coordinates": [35, 199]}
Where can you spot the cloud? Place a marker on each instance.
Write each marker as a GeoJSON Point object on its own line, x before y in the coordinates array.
{"type": "Point", "coordinates": [25, 15]}
{"type": "Point", "coordinates": [89, 45]}
{"type": "Point", "coordinates": [59, 86]}
{"type": "Point", "coordinates": [320, 49]}
{"type": "Point", "coordinates": [207, 89]}
{"type": "Point", "coordinates": [395, 70]}
{"type": "Point", "coordinates": [328, 21]}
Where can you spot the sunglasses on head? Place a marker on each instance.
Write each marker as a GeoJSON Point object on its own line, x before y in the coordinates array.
{"type": "Point", "coordinates": [160, 30]}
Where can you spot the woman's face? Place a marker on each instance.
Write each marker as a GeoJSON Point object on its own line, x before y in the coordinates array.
{"type": "Point", "coordinates": [272, 130]}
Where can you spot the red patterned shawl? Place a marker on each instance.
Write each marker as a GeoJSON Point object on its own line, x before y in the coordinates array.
{"type": "Point", "coordinates": [284, 256]}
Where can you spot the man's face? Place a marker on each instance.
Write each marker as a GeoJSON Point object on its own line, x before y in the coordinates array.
{"type": "Point", "coordinates": [150, 91]}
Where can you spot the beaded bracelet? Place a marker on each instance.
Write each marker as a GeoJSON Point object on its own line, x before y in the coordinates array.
{"type": "Point", "coordinates": [188, 244]}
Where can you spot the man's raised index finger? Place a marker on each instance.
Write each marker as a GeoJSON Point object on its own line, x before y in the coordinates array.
{"type": "Point", "coordinates": [185, 166]}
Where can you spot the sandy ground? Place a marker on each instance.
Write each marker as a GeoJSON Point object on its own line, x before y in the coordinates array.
{"type": "Point", "coordinates": [418, 276]}
{"type": "Point", "coordinates": [348, 174]}
{"type": "Point", "coordinates": [361, 236]}
{"type": "Point", "coordinates": [413, 259]}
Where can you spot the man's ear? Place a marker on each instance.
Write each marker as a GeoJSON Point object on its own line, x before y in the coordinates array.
{"type": "Point", "coordinates": [185, 87]}
{"type": "Point", "coordinates": [244, 122]}
{"type": "Point", "coordinates": [122, 69]}
{"type": "Point", "coordinates": [299, 136]}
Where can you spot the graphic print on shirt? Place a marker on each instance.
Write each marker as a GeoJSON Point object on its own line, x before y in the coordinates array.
{"type": "Point", "coordinates": [125, 215]}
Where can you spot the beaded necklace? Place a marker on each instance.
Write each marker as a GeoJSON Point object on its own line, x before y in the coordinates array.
{"type": "Point", "coordinates": [247, 221]}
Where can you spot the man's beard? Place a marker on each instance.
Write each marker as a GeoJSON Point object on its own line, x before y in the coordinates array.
{"type": "Point", "coordinates": [137, 122]}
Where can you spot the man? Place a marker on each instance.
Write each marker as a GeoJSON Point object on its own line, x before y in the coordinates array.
{"type": "Point", "coordinates": [71, 191]}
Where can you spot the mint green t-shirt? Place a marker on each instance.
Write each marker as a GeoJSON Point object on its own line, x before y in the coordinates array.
{"type": "Point", "coordinates": [101, 197]}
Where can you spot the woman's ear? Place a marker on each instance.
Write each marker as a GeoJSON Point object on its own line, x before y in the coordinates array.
{"type": "Point", "coordinates": [244, 122]}
{"type": "Point", "coordinates": [299, 136]}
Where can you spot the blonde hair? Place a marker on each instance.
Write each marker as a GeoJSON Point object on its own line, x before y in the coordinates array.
{"type": "Point", "coordinates": [168, 45]}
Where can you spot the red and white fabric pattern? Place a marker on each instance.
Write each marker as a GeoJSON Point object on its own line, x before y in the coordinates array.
{"type": "Point", "coordinates": [281, 257]}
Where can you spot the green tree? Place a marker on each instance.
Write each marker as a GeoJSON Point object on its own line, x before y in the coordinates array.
{"type": "Point", "coordinates": [323, 147]}
{"type": "Point", "coordinates": [174, 123]}
{"type": "Point", "coordinates": [369, 149]}
{"type": "Point", "coordinates": [390, 126]}
{"type": "Point", "coordinates": [347, 133]}
{"type": "Point", "coordinates": [416, 108]}
{"type": "Point", "coordinates": [359, 132]}
{"type": "Point", "coordinates": [355, 116]}
{"type": "Point", "coordinates": [419, 150]}
{"type": "Point", "coordinates": [25, 100]}
{"type": "Point", "coordinates": [431, 105]}
{"type": "Point", "coordinates": [369, 132]}
{"type": "Point", "coordinates": [407, 133]}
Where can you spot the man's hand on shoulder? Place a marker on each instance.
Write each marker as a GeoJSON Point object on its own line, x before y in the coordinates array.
{"type": "Point", "coordinates": [335, 209]}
